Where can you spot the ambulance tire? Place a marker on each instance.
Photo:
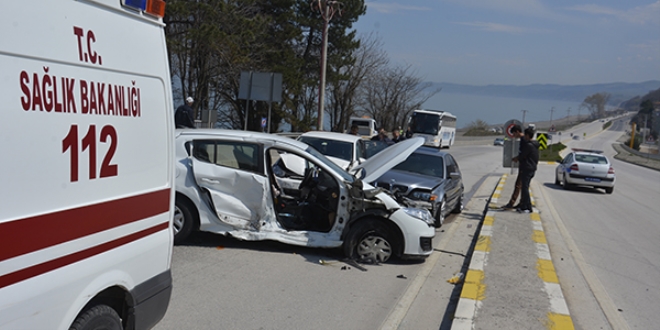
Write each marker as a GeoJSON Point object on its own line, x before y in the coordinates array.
{"type": "Point", "coordinates": [183, 218]}
{"type": "Point", "coordinates": [96, 318]}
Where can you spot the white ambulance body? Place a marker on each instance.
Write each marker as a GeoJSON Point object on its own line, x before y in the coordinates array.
{"type": "Point", "coordinates": [86, 165]}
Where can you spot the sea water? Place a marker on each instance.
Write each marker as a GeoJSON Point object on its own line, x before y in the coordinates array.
{"type": "Point", "coordinates": [497, 110]}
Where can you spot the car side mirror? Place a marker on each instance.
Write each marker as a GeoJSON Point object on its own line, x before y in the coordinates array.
{"type": "Point", "coordinates": [454, 175]}
{"type": "Point", "coordinates": [356, 188]}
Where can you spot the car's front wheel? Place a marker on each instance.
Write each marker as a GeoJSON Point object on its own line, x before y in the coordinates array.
{"type": "Point", "coordinates": [440, 215]}
{"type": "Point", "coordinates": [370, 241]}
{"type": "Point", "coordinates": [557, 183]}
{"type": "Point", "coordinates": [459, 204]}
{"type": "Point", "coordinates": [183, 221]}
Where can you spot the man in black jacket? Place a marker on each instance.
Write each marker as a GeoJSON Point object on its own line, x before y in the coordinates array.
{"type": "Point", "coordinates": [528, 160]}
{"type": "Point", "coordinates": [517, 132]}
{"type": "Point", "coordinates": [183, 117]}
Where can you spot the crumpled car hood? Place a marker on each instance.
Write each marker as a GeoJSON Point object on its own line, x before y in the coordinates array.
{"type": "Point", "coordinates": [409, 179]}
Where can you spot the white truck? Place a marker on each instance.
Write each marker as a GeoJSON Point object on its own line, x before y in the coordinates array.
{"type": "Point", "coordinates": [86, 177]}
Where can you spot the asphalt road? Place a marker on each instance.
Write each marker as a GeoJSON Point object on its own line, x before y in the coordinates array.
{"type": "Point", "coordinates": [615, 236]}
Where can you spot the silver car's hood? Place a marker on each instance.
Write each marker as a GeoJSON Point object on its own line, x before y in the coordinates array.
{"type": "Point", "coordinates": [408, 179]}
{"type": "Point", "coordinates": [383, 161]}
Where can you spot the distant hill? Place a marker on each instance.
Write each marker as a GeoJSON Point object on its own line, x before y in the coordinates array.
{"type": "Point", "coordinates": [633, 103]}
{"type": "Point", "coordinates": [620, 92]}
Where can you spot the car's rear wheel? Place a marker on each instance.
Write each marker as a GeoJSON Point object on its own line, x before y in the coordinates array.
{"type": "Point", "coordinates": [183, 221]}
{"type": "Point", "coordinates": [609, 190]}
{"type": "Point", "coordinates": [567, 185]}
{"type": "Point", "coordinates": [370, 241]}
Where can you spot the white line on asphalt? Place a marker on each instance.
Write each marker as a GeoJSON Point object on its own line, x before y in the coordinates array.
{"type": "Point", "coordinates": [609, 309]}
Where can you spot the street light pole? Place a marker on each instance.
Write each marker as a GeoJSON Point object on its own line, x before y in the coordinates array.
{"type": "Point", "coordinates": [552, 110]}
{"type": "Point", "coordinates": [327, 8]}
{"type": "Point", "coordinates": [524, 113]}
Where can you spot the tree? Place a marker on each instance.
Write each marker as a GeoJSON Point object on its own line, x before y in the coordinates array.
{"type": "Point", "coordinates": [348, 78]}
{"type": "Point", "coordinates": [596, 104]}
{"type": "Point", "coordinates": [392, 93]}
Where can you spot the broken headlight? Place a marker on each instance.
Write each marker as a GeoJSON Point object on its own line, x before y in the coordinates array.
{"type": "Point", "coordinates": [421, 214]}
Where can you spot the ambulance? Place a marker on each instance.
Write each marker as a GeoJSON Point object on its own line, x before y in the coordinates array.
{"type": "Point", "coordinates": [86, 164]}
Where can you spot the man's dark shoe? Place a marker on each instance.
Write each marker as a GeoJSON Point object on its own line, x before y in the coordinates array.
{"type": "Point", "coordinates": [508, 206]}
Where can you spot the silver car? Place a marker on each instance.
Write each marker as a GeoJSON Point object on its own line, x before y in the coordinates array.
{"type": "Point", "coordinates": [585, 167]}
{"type": "Point", "coordinates": [429, 179]}
{"type": "Point", "coordinates": [256, 186]}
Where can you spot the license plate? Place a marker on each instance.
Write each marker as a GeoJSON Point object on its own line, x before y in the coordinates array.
{"type": "Point", "coordinates": [592, 179]}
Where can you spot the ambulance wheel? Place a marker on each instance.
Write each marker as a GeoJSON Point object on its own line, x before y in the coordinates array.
{"type": "Point", "coordinates": [100, 317]}
{"type": "Point", "coordinates": [183, 221]}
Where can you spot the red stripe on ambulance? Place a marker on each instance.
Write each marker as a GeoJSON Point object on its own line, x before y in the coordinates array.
{"type": "Point", "coordinates": [35, 233]}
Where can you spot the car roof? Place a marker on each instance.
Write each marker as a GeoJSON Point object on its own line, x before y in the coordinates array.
{"type": "Point", "coordinates": [333, 136]}
{"type": "Point", "coordinates": [234, 134]}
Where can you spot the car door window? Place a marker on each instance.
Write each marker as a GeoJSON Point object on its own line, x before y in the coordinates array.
{"type": "Point", "coordinates": [236, 155]}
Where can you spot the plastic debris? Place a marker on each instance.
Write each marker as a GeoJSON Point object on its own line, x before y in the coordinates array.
{"type": "Point", "coordinates": [457, 278]}
{"type": "Point", "coordinates": [325, 262]}
{"type": "Point", "coordinates": [401, 276]}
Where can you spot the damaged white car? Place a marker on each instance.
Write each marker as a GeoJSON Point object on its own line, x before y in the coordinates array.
{"type": "Point", "coordinates": [256, 186]}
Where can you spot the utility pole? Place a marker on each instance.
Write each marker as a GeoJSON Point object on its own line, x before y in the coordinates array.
{"type": "Point", "coordinates": [327, 8]}
{"type": "Point", "coordinates": [523, 121]}
{"type": "Point", "coordinates": [552, 110]}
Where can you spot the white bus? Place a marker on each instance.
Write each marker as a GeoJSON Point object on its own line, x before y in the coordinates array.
{"type": "Point", "coordinates": [438, 128]}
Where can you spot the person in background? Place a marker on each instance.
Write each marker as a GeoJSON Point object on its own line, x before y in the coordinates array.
{"type": "Point", "coordinates": [409, 133]}
{"type": "Point", "coordinates": [382, 136]}
{"type": "Point", "coordinates": [396, 136]}
{"type": "Point", "coordinates": [517, 134]}
{"type": "Point", "coordinates": [354, 130]}
{"type": "Point", "coordinates": [528, 158]}
{"type": "Point", "coordinates": [183, 117]}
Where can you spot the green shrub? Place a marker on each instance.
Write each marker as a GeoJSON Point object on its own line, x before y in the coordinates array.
{"type": "Point", "coordinates": [551, 154]}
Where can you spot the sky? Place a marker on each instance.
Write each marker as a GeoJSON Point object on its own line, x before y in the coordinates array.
{"type": "Point", "coordinates": [520, 42]}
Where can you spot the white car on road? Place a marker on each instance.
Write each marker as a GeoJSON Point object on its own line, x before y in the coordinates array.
{"type": "Point", "coordinates": [345, 150]}
{"type": "Point", "coordinates": [586, 167]}
{"type": "Point", "coordinates": [239, 183]}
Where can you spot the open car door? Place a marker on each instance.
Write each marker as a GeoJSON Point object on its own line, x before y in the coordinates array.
{"type": "Point", "coordinates": [230, 173]}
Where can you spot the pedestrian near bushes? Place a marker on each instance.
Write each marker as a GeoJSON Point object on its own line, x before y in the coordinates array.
{"type": "Point", "coordinates": [183, 117]}
{"type": "Point", "coordinates": [528, 160]}
{"type": "Point", "coordinates": [517, 132]}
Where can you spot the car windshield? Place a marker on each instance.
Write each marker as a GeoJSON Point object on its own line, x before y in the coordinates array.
{"type": "Point", "coordinates": [423, 164]}
{"type": "Point", "coordinates": [590, 159]}
{"type": "Point", "coordinates": [333, 148]}
{"type": "Point", "coordinates": [321, 158]}
{"type": "Point", "coordinates": [373, 147]}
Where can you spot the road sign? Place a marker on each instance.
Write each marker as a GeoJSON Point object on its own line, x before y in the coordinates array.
{"type": "Point", "coordinates": [543, 140]}
{"type": "Point", "coordinates": [509, 125]}
{"type": "Point", "coordinates": [263, 122]}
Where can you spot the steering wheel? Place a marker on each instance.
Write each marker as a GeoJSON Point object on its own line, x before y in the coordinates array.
{"type": "Point", "coordinates": [307, 180]}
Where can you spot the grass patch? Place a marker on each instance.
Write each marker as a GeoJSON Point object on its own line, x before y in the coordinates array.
{"type": "Point", "coordinates": [551, 154]}
{"type": "Point", "coordinates": [607, 125]}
